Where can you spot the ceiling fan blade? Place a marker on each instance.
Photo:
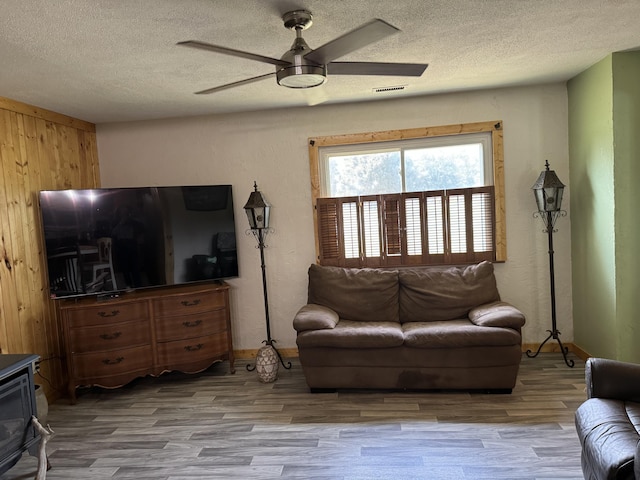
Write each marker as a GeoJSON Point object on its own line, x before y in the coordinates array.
{"type": "Point", "coordinates": [235, 84]}
{"type": "Point", "coordinates": [232, 52]}
{"type": "Point", "coordinates": [349, 42]}
{"type": "Point", "coordinates": [376, 68]}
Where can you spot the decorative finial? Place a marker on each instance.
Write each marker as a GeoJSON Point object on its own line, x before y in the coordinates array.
{"type": "Point", "coordinates": [546, 164]}
{"type": "Point", "coordinates": [255, 184]}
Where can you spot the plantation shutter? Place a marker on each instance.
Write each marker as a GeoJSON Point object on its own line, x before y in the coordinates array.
{"type": "Point", "coordinates": [338, 231]}
{"type": "Point", "coordinates": [435, 227]}
{"type": "Point", "coordinates": [392, 228]}
{"type": "Point", "coordinates": [483, 235]}
{"type": "Point", "coordinates": [417, 228]}
{"type": "Point", "coordinates": [457, 228]}
{"type": "Point", "coordinates": [329, 231]}
{"type": "Point", "coordinates": [470, 228]}
{"type": "Point", "coordinates": [414, 241]}
{"type": "Point", "coordinates": [371, 241]}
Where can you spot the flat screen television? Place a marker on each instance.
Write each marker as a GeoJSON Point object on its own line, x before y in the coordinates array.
{"type": "Point", "coordinates": [109, 240]}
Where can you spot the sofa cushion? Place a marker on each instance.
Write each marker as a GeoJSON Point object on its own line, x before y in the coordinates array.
{"type": "Point", "coordinates": [436, 293]}
{"type": "Point", "coordinates": [456, 334]}
{"type": "Point", "coordinates": [355, 294]}
{"type": "Point", "coordinates": [350, 334]}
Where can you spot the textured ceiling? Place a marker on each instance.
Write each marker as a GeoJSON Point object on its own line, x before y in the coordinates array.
{"type": "Point", "coordinates": [116, 60]}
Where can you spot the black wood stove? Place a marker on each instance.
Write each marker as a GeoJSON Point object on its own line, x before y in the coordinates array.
{"type": "Point", "coordinates": [17, 406]}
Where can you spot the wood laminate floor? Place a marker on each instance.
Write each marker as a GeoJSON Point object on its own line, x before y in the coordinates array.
{"type": "Point", "coordinates": [221, 426]}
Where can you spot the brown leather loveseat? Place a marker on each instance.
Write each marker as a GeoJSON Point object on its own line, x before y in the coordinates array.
{"type": "Point", "coordinates": [608, 423]}
{"type": "Point", "coordinates": [413, 328]}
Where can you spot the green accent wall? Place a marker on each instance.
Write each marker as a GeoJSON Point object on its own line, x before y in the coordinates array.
{"type": "Point", "coordinates": [604, 150]}
{"type": "Point", "coordinates": [592, 206]}
{"type": "Point", "coordinates": [626, 141]}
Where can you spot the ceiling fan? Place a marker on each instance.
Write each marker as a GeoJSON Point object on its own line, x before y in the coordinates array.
{"type": "Point", "coordinates": [303, 67]}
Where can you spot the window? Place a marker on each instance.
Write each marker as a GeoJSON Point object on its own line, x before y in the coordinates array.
{"type": "Point", "coordinates": [409, 197]}
{"type": "Point", "coordinates": [420, 164]}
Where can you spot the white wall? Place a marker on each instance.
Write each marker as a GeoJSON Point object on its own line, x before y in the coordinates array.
{"type": "Point", "coordinates": [271, 147]}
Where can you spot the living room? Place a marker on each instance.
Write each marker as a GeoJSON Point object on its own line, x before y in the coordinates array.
{"type": "Point", "coordinates": [570, 122]}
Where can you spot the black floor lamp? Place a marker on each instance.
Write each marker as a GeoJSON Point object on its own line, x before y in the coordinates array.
{"type": "Point", "coordinates": [258, 211]}
{"type": "Point", "coordinates": [548, 191]}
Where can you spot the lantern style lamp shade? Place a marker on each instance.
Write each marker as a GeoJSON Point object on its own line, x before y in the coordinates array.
{"type": "Point", "coordinates": [548, 191]}
{"type": "Point", "coordinates": [257, 210]}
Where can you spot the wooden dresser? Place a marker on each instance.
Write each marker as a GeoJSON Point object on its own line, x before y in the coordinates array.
{"type": "Point", "coordinates": [149, 332]}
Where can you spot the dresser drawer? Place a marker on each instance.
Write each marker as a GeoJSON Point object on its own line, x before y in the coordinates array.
{"type": "Point", "coordinates": [107, 314]}
{"type": "Point", "coordinates": [188, 304]}
{"type": "Point", "coordinates": [190, 326]}
{"type": "Point", "coordinates": [192, 350]}
{"type": "Point", "coordinates": [109, 336]}
{"type": "Point", "coordinates": [114, 362]}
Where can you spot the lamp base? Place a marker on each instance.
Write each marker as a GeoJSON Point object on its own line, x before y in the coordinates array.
{"type": "Point", "coordinates": [555, 335]}
{"type": "Point", "coordinates": [267, 362]}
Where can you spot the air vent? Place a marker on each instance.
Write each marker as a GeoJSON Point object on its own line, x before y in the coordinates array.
{"type": "Point", "coordinates": [389, 89]}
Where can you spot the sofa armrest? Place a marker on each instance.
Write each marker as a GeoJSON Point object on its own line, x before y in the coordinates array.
{"type": "Point", "coordinates": [497, 314]}
{"type": "Point", "coordinates": [315, 317]}
{"type": "Point", "coordinates": [612, 379]}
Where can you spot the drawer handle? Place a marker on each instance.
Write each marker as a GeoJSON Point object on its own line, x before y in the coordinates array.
{"type": "Point", "coordinates": [107, 314]}
{"type": "Point", "coordinates": [187, 303]}
{"type": "Point", "coordinates": [193, 348]}
{"type": "Point", "coordinates": [113, 336]}
{"type": "Point", "coordinates": [107, 361]}
{"type": "Point", "coordinates": [192, 324]}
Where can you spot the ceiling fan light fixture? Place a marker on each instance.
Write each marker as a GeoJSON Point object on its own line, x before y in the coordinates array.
{"type": "Point", "coordinates": [302, 76]}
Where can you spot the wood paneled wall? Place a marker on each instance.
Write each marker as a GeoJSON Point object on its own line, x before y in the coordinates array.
{"type": "Point", "coordinates": [39, 150]}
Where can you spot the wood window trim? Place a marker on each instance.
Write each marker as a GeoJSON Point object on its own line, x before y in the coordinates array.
{"type": "Point", "coordinates": [495, 128]}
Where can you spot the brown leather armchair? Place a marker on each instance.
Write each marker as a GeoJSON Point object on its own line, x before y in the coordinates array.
{"type": "Point", "coordinates": [608, 423]}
